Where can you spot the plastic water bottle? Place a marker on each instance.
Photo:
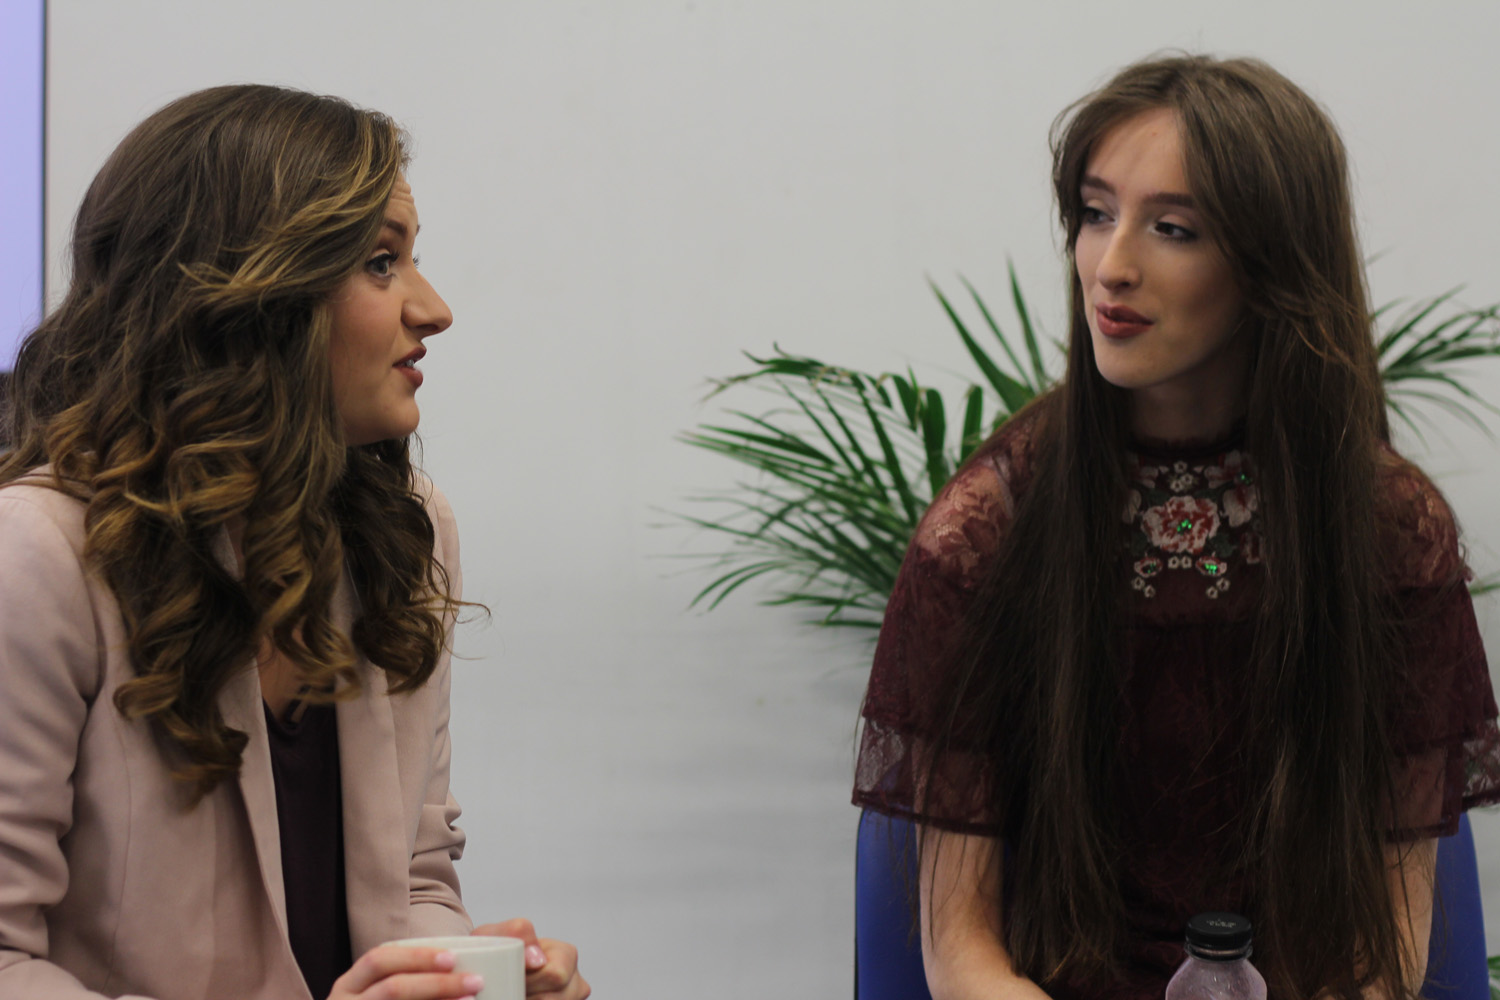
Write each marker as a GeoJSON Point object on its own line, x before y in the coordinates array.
{"type": "Point", "coordinates": [1218, 961]}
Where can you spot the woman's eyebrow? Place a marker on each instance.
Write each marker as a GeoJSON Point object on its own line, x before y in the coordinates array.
{"type": "Point", "coordinates": [400, 227]}
{"type": "Point", "coordinates": [1155, 197]}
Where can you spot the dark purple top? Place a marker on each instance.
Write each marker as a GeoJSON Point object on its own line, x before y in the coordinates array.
{"type": "Point", "coordinates": [309, 816]}
{"type": "Point", "coordinates": [1191, 564]}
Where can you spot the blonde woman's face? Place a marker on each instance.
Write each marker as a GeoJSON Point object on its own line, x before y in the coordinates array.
{"type": "Point", "coordinates": [382, 315]}
{"type": "Point", "coordinates": [1162, 302]}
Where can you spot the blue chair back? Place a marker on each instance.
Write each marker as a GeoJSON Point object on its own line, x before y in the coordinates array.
{"type": "Point", "coordinates": [888, 956]}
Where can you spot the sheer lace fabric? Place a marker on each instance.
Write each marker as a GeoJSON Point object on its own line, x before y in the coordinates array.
{"type": "Point", "coordinates": [1193, 570]}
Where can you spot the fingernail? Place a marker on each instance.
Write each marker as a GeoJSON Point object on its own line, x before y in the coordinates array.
{"type": "Point", "coordinates": [445, 959]}
{"type": "Point", "coordinates": [473, 983]}
{"type": "Point", "coordinates": [535, 957]}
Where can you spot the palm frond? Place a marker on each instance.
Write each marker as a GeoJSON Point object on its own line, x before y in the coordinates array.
{"type": "Point", "coordinates": [846, 462]}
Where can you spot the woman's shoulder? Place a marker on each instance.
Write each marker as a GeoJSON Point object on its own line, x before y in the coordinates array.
{"type": "Point", "coordinates": [38, 494]}
{"type": "Point", "coordinates": [433, 498]}
{"type": "Point", "coordinates": [440, 513]}
{"type": "Point", "coordinates": [43, 536]}
{"type": "Point", "coordinates": [1418, 532]}
{"type": "Point", "coordinates": [966, 521]}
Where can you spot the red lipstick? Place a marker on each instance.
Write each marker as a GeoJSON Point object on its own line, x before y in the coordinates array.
{"type": "Point", "coordinates": [1120, 322]}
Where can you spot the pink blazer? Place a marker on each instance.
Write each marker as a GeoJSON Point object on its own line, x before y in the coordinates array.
{"type": "Point", "coordinates": [109, 884]}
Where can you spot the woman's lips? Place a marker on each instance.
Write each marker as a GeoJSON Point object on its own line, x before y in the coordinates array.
{"type": "Point", "coordinates": [408, 365]}
{"type": "Point", "coordinates": [1120, 322]}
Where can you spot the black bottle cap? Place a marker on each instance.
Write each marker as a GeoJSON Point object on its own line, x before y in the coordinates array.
{"type": "Point", "coordinates": [1218, 935]}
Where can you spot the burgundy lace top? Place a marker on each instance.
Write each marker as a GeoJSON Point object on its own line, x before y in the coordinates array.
{"type": "Point", "coordinates": [1194, 571]}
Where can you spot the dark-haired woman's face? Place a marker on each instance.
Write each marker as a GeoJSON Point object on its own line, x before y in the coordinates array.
{"type": "Point", "coordinates": [1162, 302]}
{"type": "Point", "coordinates": [381, 316]}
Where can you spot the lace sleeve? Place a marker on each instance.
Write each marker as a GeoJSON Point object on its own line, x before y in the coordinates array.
{"type": "Point", "coordinates": [953, 545]}
{"type": "Point", "coordinates": [1444, 719]}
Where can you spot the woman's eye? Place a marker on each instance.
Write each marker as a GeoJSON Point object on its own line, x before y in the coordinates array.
{"type": "Point", "coordinates": [1091, 216]}
{"type": "Point", "coordinates": [381, 264]}
{"type": "Point", "coordinates": [1172, 231]}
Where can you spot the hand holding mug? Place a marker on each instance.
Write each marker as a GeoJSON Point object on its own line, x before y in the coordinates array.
{"type": "Point", "coordinates": [388, 971]}
{"type": "Point", "coordinates": [551, 966]}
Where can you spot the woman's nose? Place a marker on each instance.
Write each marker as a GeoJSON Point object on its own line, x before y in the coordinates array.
{"type": "Point", "coordinates": [426, 311]}
{"type": "Point", "coordinates": [1118, 267]}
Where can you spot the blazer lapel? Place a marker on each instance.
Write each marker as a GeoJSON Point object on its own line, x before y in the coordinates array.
{"type": "Point", "coordinates": [241, 705]}
{"type": "Point", "coordinates": [377, 858]}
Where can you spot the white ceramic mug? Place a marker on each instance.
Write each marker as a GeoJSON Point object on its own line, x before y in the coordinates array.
{"type": "Point", "coordinates": [500, 960]}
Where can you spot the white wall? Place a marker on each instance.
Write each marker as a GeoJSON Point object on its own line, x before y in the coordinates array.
{"type": "Point", "coordinates": [618, 198]}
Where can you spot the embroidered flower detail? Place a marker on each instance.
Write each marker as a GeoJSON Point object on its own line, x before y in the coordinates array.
{"type": "Point", "coordinates": [1241, 501]}
{"type": "Point", "coordinates": [1132, 507]}
{"type": "Point", "coordinates": [1183, 483]}
{"type": "Point", "coordinates": [1146, 475]}
{"type": "Point", "coordinates": [1250, 547]}
{"type": "Point", "coordinates": [1209, 566]}
{"type": "Point", "coordinates": [1182, 524]}
{"type": "Point", "coordinates": [1149, 566]}
{"type": "Point", "coordinates": [1179, 467]}
{"type": "Point", "coordinates": [1234, 470]}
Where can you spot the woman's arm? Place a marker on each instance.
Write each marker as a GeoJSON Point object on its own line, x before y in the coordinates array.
{"type": "Point", "coordinates": [49, 678]}
{"type": "Point", "coordinates": [1412, 868]}
{"type": "Point", "coordinates": [436, 908]}
{"type": "Point", "coordinates": [962, 951]}
{"type": "Point", "coordinates": [963, 956]}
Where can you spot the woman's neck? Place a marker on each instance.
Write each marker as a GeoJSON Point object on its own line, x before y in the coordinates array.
{"type": "Point", "coordinates": [1204, 403]}
{"type": "Point", "coordinates": [1203, 410]}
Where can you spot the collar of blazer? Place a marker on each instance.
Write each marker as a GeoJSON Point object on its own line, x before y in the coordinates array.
{"type": "Point", "coordinates": [376, 855]}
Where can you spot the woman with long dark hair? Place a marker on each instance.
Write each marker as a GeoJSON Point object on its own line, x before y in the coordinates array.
{"type": "Point", "coordinates": [228, 595]}
{"type": "Point", "coordinates": [1187, 634]}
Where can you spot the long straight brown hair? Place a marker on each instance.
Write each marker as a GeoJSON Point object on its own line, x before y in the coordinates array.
{"type": "Point", "coordinates": [1036, 668]}
{"type": "Point", "coordinates": [184, 384]}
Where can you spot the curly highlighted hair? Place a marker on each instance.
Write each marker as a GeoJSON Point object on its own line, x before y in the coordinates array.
{"type": "Point", "coordinates": [183, 386]}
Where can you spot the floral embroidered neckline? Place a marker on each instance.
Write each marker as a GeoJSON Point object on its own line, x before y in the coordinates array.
{"type": "Point", "coordinates": [1191, 516]}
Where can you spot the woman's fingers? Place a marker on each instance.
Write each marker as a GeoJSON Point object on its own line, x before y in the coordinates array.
{"type": "Point", "coordinates": [392, 972]}
{"type": "Point", "coordinates": [425, 986]}
{"type": "Point", "coordinates": [551, 966]}
{"type": "Point", "coordinates": [578, 989]}
{"type": "Point", "coordinates": [559, 978]}
{"type": "Point", "coordinates": [518, 928]}
{"type": "Point", "coordinates": [387, 960]}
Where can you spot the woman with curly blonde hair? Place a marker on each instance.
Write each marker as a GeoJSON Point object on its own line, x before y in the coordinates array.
{"type": "Point", "coordinates": [228, 596]}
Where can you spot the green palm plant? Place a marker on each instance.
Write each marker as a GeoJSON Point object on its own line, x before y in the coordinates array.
{"type": "Point", "coordinates": [844, 463]}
